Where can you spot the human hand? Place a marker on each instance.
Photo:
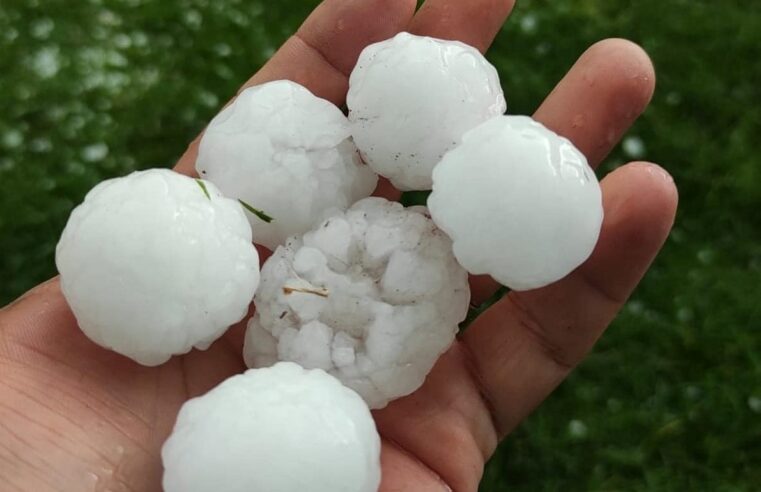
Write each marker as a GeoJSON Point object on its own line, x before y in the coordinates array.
{"type": "Point", "coordinates": [74, 416]}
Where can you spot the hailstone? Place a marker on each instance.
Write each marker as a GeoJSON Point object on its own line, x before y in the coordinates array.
{"type": "Point", "coordinates": [373, 296]}
{"type": "Point", "coordinates": [287, 153]}
{"type": "Point", "coordinates": [412, 98]}
{"type": "Point", "coordinates": [280, 429]}
{"type": "Point", "coordinates": [520, 203]}
{"type": "Point", "coordinates": [155, 263]}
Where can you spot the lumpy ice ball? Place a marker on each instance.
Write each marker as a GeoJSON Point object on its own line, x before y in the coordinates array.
{"type": "Point", "coordinates": [412, 98]}
{"type": "Point", "coordinates": [280, 429]}
{"type": "Point", "coordinates": [520, 203]}
{"type": "Point", "coordinates": [373, 296]}
{"type": "Point", "coordinates": [285, 152]}
{"type": "Point", "coordinates": [153, 264]}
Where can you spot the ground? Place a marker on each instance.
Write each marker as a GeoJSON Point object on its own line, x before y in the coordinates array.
{"type": "Point", "coordinates": [671, 397]}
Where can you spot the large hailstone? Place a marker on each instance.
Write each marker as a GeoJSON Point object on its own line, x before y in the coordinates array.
{"type": "Point", "coordinates": [287, 153]}
{"type": "Point", "coordinates": [520, 203]}
{"type": "Point", "coordinates": [373, 296]}
{"type": "Point", "coordinates": [155, 263]}
{"type": "Point", "coordinates": [412, 98]}
{"type": "Point", "coordinates": [280, 429]}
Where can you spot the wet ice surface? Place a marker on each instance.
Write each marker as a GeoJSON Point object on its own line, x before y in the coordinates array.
{"type": "Point", "coordinates": [279, 429]}
{"type": "Point", "coordinates": [520, 203]}
{"type": "Point", "coordinates": [152, 265]}
{"type": "Point", "coordinates": [288, 153]}
{"type": "Point", "coordinates": [412, 98]}
{"type": "Point", "coordinates": [373, 296]}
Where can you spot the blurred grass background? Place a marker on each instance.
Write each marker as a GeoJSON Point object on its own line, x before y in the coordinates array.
{"type": "Point", "coordinates": [671, 397]}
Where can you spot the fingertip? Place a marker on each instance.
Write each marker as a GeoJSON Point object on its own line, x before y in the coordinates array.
{"type": "Point", "coordinates": [474, 22]}
{"type": "Point", "coordinates": [604, 92]}
{"type": "Point", "coordinates": [640, 201]}
{"type": "Point", "coordinates": [626, 68]}
{"type": "Point", "coordinates": [339, 30]}
{"type": "Point", "coordinates": [643, 189]}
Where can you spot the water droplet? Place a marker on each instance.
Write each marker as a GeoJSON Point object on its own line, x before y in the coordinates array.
{"type": "Point", "coordinates": [10, 34]}
{"type": "Point", "coordinates": [577, 429]}
{"type": "Point", "coordinates": [75, 167]}
{"type": "Point", "coordinates": [673, 98]}
{"type": "Point", "coordinates": [122, 41]}
{"type": "Point", "coordinates": [706, 256]}
{"type": "Point", "coordinates": [109, 18]}
{"type": "Point", "coordinates": [139, 39]}
{"type": "Point", "coordinates": [208, 99]}
{"type": "Point", "coordinates": [193, 19]}
{"type": "Point", "coordinates": [116, 59]}
{"type": "Point", "coordinates": [685, 315]}
{"type": "Point", "coordinates": [42, 28]}
{"type": "Point", "coordinates": [754, 403]}
{"type": "Point", "coordinates": [542, 48]}
{"type": "Point", "coordinates": [692, 392]}
{"type": "Point", "coordinates": [6, 164]}
{"type": "Point", "coordinates": [222, 49]}
{"type": "Point", "coordinates": [95, 152]}
{"type": "Point", "coordinates": [635, 307]}
{"type": "Point", "coordinates": [223, 71]}
{"type": "Point", "coordinates": [40, 145]}
{"type": "Point", "coordinates": [116, 82]}
{"type": "Point", "coordinates": [528, 23]}
{"type": "Point", "coordinates": [47, 184]}
{"type": "Point", "coordinates": [46, 62]}
{"type": "Point", "coordinates": [634, 147]}
{"type": "Point", "coordinates": [92, 481]}
{"type": "Point", "coordinates": [12, 139]}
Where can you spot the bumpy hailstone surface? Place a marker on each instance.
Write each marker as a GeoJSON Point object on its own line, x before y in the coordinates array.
{"type": "Point", "coordinates": [412, 98]}
{"type": "Point", "coordinates": [373, 296]}
{"type": "Point", "coordinates": [151, 266]}
{"type": "Point", "coordinates": [520, 203]}
{"type": "Point", "coordinates": [280, 429]}
{"type": "Point", "coordinates": [287, 153]}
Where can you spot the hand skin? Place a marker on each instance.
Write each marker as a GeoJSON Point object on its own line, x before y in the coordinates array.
{"type": "Point", "coordinates": [76, 417]}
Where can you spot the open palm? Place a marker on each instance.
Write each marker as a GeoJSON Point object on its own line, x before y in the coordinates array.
{"type": "Point", "coordinates": [75, 417]}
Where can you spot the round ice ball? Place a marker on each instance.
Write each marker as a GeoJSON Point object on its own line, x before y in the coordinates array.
{"type": "Point", "coordinates": [412, 98]}
{"type": "Point", "coordinates": [520, 203]}
{"type": "Point", "coordinates": [155, 263]}
{"type": "Point", "coordinates": [287, 153]}
{"type": "Point", "coordinates": [373, 296]}
{"type": "Point", "coordinates": [280, 429]}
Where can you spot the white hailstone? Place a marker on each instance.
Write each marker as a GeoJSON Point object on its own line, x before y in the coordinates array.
{"type": "Point", "coordinates": [412, 98]}
{"type": "Point", "coordinates": [154, 263]}
{"type": "Point", "coordinates": [373, 296]}
{"type": "Point", "coordinates": [520, 203]}
{"type": "Point", "coordinates": [287, 153]}
{"type": "Point", "coordinates": [280, 429]}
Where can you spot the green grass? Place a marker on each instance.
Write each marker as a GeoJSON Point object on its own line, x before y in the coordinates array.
{"type": "Point", "coordinates": [670, 399]}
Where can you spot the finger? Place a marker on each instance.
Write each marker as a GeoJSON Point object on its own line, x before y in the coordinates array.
{"type": "Point", "coordinates": [402, 472]}
{"type": "Point", "coordinates": [600, 97]}
{"type": "Point", "coordinates": [527, 343]}
{"type": "Point", "coordinates": [386, 190]}
{"type": "Point", "coordinates": [593, 106]}
{"type": "Point", "coordinates": [322, 53]}
{"type": "Point", "coordinates": [474, 22]}
{"type": "Point", "coordinates": [445, 424]}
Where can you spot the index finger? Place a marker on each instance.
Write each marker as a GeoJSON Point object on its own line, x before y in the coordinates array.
{"type": "Point", "coordinates": [323, 51]}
